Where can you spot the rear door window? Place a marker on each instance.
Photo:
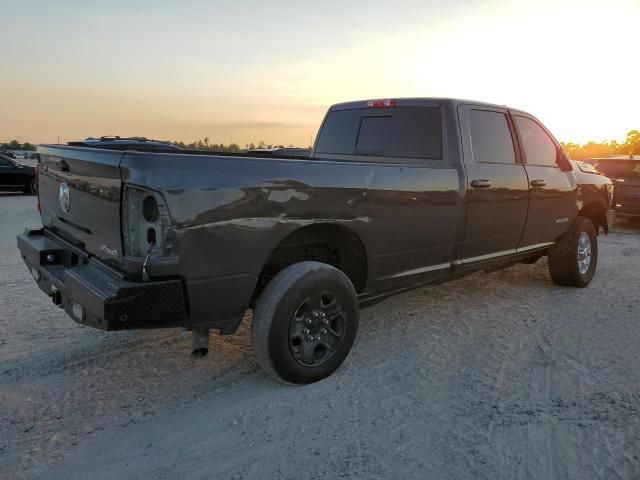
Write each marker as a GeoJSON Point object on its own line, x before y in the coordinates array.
{"type": "Point", "coordinates": [399, 132]}
{"type": "Point", "coordinates": [491, 140]}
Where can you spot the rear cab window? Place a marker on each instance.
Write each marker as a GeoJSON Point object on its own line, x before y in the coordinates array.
{"type": "Point", "coordinates": [395, 134]}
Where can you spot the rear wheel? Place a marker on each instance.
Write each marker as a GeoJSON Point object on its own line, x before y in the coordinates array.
{"type": "Point", "coordinates": [573, 259]}
{"type": "Point", "coordinates": [305, 322]}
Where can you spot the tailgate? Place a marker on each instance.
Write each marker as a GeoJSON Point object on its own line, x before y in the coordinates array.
{"type": "Point", "coordinates": [80, 197]}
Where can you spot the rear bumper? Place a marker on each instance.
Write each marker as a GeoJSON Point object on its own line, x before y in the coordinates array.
{"type": "Point", "coordinates": [95, 294]}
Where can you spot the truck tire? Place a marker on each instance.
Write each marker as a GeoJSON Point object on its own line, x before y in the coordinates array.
{"type": "Point", "coordinates": [573, 259]}
{"type": "Point", "coordinates": [305, 322]}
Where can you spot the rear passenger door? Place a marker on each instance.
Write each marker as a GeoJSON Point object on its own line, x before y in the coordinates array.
{"type": "Point", "coordinates": [553, 193]}
{"type": "Point", "coordinates": [497, 187]}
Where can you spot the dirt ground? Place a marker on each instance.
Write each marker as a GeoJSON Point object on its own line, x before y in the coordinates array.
{"type": "Point", "coordinates": [498, 376]}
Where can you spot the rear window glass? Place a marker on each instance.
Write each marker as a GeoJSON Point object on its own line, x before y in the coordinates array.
{"type": "Point", "coordinates": [401, 132]}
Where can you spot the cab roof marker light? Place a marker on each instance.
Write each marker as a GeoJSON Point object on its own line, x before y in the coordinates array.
{"type": "Point", "coordinates": [381, 103]}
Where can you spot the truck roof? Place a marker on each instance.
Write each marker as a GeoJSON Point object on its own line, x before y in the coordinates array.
{"type": "Point", "coordinates": [412, 102]}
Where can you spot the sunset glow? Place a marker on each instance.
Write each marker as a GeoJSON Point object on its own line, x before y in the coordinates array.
{"type": "Point", "coordinates": [250, 71]}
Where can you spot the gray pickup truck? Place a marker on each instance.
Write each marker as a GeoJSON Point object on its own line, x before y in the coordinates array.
{"type": "Point", "coordinates": [395, 194]}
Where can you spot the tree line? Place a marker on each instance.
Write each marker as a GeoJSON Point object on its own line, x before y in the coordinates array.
{"type": "Point", "coordinates": [15, 145]}
{"type": "Point", "coordinates": [630, 146]}
{"type": "Point", "coordinates": [205, 144]}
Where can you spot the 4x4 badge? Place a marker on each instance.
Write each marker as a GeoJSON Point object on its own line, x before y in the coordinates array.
{"type": "Point", "coordinates": [65, 200]}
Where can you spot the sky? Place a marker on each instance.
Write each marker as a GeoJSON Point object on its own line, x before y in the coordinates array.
{"type": "Point", "coordinates": [249, 70]}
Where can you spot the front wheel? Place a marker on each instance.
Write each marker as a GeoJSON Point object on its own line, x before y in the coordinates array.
{"type": "Point", "coordinates": [573, 259]}
{"type": "Point", "coordinates": [305, 322]}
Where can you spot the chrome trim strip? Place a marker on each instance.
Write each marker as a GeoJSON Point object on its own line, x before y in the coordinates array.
{"type": "Point", "coordinates": [479, 258]}
{"type": "Point", "coordinates": [534, 247]}
{"type": "Point", "coordinates": [503, 253]}
{"type": "Point", "coordinates": [416, 271]}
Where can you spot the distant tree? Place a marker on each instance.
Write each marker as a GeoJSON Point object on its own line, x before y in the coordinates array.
{"type": "Point", "coordinates": [630, 146]}
{"type": "Point", "coordinates": [632, 143]}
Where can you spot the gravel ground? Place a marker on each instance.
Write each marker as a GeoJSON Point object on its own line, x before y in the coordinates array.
{"type": "Point", "coordinates": [499, 376]}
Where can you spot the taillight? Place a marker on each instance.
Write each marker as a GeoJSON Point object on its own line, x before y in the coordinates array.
{"type": "Point", "coordinates": [145, 224]}
{"type": "Point", "coordinates": [381, 103]}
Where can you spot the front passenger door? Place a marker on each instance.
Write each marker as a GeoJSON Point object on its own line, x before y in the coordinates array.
{"type": "Point", "coordinates": [553, 194]}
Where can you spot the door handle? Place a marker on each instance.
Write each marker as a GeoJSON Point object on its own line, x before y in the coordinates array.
{"type": "Point", "coordinates": [538, 183]}
{"type": "Point", "coordinates": [481, 183]}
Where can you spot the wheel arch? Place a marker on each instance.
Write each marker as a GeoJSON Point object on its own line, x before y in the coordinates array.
{"type": "Point", "coordinates": [597, 213]}
{"type": "Point", "coordinates": [327, 242]}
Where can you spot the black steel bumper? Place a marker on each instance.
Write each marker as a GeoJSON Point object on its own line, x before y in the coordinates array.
{"type": "Point", "coordinates": [95, 294]}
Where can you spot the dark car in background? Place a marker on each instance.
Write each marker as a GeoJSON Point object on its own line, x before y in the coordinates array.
{"type": "Point", "coordinates": [16, 177]}
{"type": "Point", "coordinates": [625, 174]}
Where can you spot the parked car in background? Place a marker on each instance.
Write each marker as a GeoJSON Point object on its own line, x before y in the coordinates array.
{"type": "Point", "coordinates": [624, 171]}
{"type": "Point", "coordinates": [16, 177]}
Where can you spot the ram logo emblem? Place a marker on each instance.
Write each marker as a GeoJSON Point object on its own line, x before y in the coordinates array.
{"type": "Point", "coordinates": [64, 197]}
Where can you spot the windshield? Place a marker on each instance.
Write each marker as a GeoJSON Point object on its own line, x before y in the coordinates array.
{"type": "Point", "coordinates": [619, 168]}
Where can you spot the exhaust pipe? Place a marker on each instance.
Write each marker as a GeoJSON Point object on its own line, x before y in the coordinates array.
{"type": "Point", "coordinates": [199, 342]}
